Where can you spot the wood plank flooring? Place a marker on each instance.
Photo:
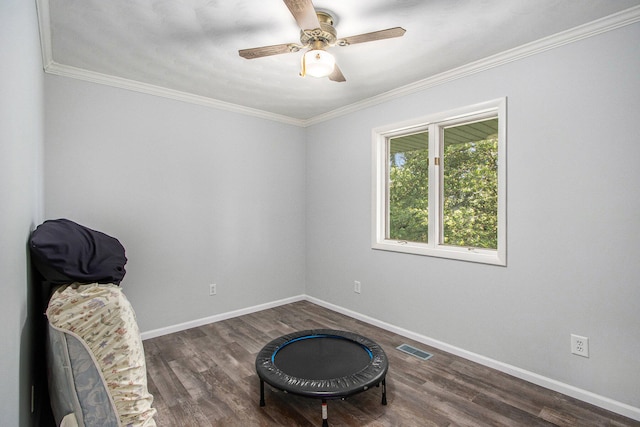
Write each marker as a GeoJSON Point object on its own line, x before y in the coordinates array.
{"type": "Point", "coordinates": [206, 376]}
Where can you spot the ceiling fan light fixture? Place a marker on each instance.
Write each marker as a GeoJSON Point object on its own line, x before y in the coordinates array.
{"type": "Point", "coordinates": [318, 63]}
{"type": "Point", "coordinates": [317, 32]}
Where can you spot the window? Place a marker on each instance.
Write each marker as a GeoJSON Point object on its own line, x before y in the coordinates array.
{"type": "Point", "coordinates": [439, 185]}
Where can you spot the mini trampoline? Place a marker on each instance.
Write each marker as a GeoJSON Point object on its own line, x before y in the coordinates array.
{"type": "Point", "coordinates": [323, 364]}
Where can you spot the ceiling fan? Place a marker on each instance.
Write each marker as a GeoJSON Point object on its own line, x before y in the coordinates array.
{"type": "Point", "coordinates": [317, 34]}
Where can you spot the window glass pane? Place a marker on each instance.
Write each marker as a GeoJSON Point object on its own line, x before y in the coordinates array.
{"type": "Point", "coordinates": [470, 185]}
{"type": "Point", "coordinates": [408, 190]}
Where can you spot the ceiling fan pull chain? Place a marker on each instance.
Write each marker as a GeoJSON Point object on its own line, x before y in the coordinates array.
{"type": "Point", "coordinates": [303, 66]}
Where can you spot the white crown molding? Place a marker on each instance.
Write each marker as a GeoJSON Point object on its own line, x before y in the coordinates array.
{"type": "Point", "coordinates": [608, 23]}
{"type": "Point", "coordinates": [119, 82]}
{"type": "Point", "coordinates": [44, 22]}
{"type": "Point", "coordinates": [51, 67]}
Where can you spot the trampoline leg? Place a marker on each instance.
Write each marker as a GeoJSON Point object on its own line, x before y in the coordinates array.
{"type": "Point", "coordinates": [262, 393]}
{"type": "Point", "coordinates": [384, 391]}
{"type": "Point", "coordinates": [325, 421]}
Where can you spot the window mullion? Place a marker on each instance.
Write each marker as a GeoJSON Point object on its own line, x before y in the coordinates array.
{"type": "Point", "coordinates": [434, 186]}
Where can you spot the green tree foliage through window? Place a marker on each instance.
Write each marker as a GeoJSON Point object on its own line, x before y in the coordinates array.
{"type": "Point", "coordinates": [469, 185]}
{"type": "Point", "coordinates": [470, 188]}
{"type": "Point", "coordinates": [409, 188]}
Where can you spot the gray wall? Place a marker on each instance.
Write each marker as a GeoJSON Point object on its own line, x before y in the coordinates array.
{"type": "Point", "coordinates": [21, 135]}
{"type": "Point", "coordinates": [573, 199]}
{"type": "Point", "coordinates": [195, 195]}
{"type": "Point", "coordinates": [200, 196]}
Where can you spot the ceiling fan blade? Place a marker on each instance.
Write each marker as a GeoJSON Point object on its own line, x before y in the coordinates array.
{"type": "Point", "coordinates": [304, 13]}
{"type": "Point", "coordinates": [337, 75]}
{"type": "Point", "coordinates": [376, 35]}
{"type": "Point", "coordinates": [276, 49]}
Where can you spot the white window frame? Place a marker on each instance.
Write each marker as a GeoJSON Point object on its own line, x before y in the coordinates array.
{"type": "Point", "coordinates": [435, 124]}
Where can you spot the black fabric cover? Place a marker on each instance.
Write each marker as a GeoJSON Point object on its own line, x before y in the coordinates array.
{"type": "Point", "coordinates": [66, 252]}
{"type": "Point", "coordinates": [359, 375]}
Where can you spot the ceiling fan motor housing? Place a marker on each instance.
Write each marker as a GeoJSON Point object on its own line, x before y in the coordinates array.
{"type": "Point", "coordinates": [326, 34]}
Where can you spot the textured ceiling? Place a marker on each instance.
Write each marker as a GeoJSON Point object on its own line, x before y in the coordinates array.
{"type": "Point", "coordinates": [191, 46]}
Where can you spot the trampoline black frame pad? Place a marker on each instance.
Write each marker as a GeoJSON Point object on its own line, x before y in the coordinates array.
{"type": "Point", "coordinates": [361, 379]}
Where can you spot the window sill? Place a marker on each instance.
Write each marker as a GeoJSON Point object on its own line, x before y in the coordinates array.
{"type": "Point", "coordinates": [483, 256]}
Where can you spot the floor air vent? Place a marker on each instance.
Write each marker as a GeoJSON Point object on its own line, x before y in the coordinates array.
{"type": "Point", "coordinates": [420, 354]}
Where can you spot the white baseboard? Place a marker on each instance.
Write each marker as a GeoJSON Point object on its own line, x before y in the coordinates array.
{"type": "Point", "coordinates": [548, 383]}
{"type": "Point", "coordinates": [551, 384]}
{"type": "Point", "coordinates": [218, 317]}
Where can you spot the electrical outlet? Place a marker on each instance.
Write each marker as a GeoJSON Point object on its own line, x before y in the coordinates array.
{"type": "Point", "coordinates": [212, 289]}
{"type": "Point", "coordinates": [580, 345]}
{"type": "Point", "coordinates": [357, 287]}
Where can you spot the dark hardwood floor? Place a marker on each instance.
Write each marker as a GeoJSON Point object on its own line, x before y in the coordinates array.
{"type": "Point", "coordinates": [206, 376]}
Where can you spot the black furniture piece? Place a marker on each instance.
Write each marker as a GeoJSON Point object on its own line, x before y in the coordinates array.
{"type": "Point", "coordinates": [323, 364]}
{"type": "Point", "coordinates": [95, 367]}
